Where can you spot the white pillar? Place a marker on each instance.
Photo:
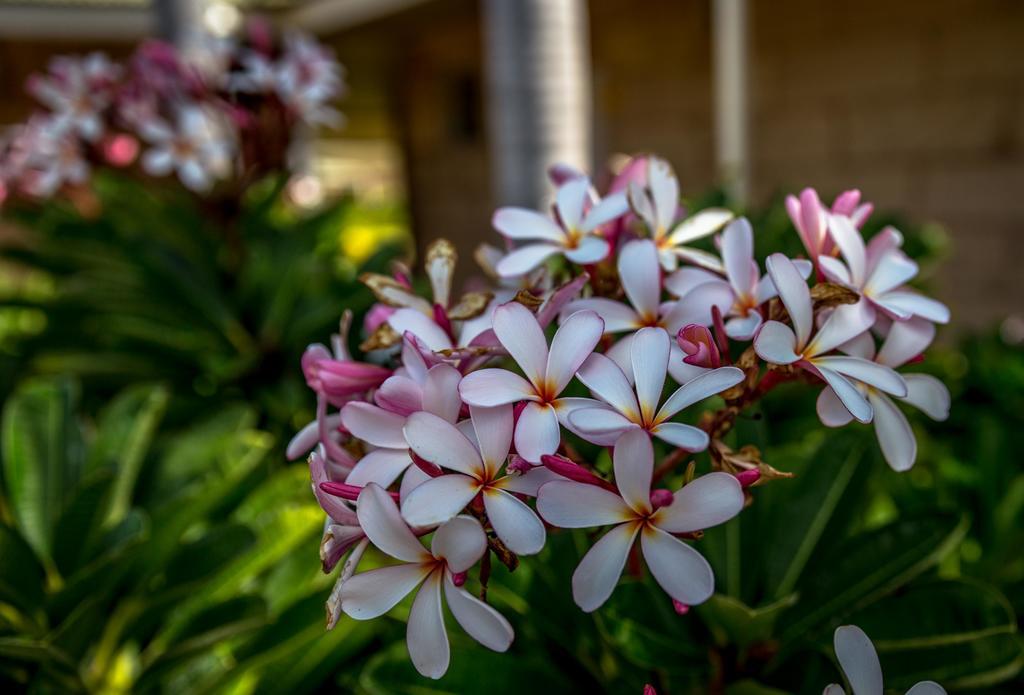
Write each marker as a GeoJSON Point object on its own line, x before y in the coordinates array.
{"type": "Point", "coordinates": [730, 45]}
{"type": "Point", "coordinates": [537, 56]}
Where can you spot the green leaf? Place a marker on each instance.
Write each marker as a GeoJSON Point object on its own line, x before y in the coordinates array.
{"type": "Point", "coordinates": [22, 578]}
{"type": "Point", "coordinates": [733, 622]}
{"type": "Point", "coordinates": [80, 522]}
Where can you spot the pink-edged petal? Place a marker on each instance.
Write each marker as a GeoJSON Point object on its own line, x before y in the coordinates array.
{"type": "Point", "coordinates": [570, 199]}
{"type": "Point", "coordinates": [858, 659]}
{"type": "Point", "coordinates": [794, 295]}
{"type": "Point", "coordinates": [335, 507]}
{"type": "Point", "coordinates": [441, 392]}
{"type": "Point", "coordinates": [700, 225]}
{"type": "Point", "coordinates": [851, 245]}
{"type": "Point", "coordinates": [382, 466]}
{"type": "Point", "coordinates": [914, 304]}
{"type": "Point", "coordinates": [776, 343]}
{"type": "Point", "coordinates": [525, 258]}
{"type": "Point", "coordinates": [640, 275]}
{"type": "Point", "coordinates": [439, 442]}
{"type": "Point", "coordinates": [493, 428]}
{"type": "Point", "coordinates": [375, 425]}
{"type": "Point", "coordinates": [515, 523]}
{"type": "Point", "coordinates": [850, 396]}
{"type": "Point", "coordinates": [633, 462]}
{"type": "Point", "coordinates": [682, 436]}
{"type": "Point", "coordinates": [493, 387]}
{"type": "Point", "coordinates": [743, 327]}
{"type": "Point", "coordinates": [568, 504]}
{"type": "Point", "coordinates": [521, 335]}
{"type": "Point", "coordinates": [641, 205]}
{"type": "Point", "coordinates": [831, 410]}
{"type": "Point", "coordinates": [835, 270]}
{"type": "Point", "coordinates": [380, 518]}
{"type": "Point", "coordinates": [870, 373]}
{"type": "Point", "coordinates": [399, 394]}
{"type": "Point", "coordinates": [413, 478]}
{"type": "Point", "coordinates": [696, 306]}
{"type": "Point", "coordinates": [893, 269]}
{"type": "Point", "coordinates": [708, 384]}
{"type": "Point", "coordinates": [882, 243]}
{"type": "Point", "coordinates": [681, 571]}
{"type": "Point", "coordinates": [439, 499]}
{"type": "Point", "coordinates": [589, 249]}
{"type": "Point", "coordinates": [617, 316]}
{"type": "Point", "coordinates": [927, 394]}
{"type": "Point", "coordinates": [664, 189]}
{"type": "Point", "coordinates": [684, 280]}
{"type": "Point", "coordinates": [559, 299]}
{"type": "Point", "coordinates": [425, 635]}
{"type": "Point", "coordinates": [307, 438]}
{"type": "Point", "coordinates": [766, 288]}
{"type": "Point", "coordinates": [527, 483]}
{"type": "Point", "coordinates": [708, 501]}
{"type": "Point", "coordinates": [480, 621]}
{"type": "Point", "coordinates": [460, 543]}
{"type": "Point", "coordinates": [906, 340]}
{"type": "Point", "coordinates": [600, 425]}
{"type": "Point", "coordinates": [612, 206]}
{"type": "Point", "coordinates": [371, 594]}
{"type": "Point", "coordinates": [649, 353]}
{"type": "Point", "coordinates": [572, 343]}
{"type": "Point", "coordinates": [424, 328]}
{"type": "Point", "coordinates": [844, 323]}
{"type": "Point", "coordinates": [895, 437]}
{"type": "Point", "coordinates": [598, 572]}
{"type": "Point", "coordinates": [537, 432]}
{"type": "Point", "coordinates": [738, 254]}
{"type": "Point", "coordinates": [862, 346]}
{"type": "Point", "coordinates": [520, 223]}
{"type": "Point", "coordinates": [606, 381]}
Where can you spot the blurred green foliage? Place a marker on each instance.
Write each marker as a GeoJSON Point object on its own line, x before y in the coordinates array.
{"type": "Point", "coordinates": [152, 538]}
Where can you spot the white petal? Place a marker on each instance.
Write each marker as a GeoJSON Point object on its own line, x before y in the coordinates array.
{"type": "Point", "coordinates": [681, 372]}
{"type": "Point", "coordinates": [927, 394]}
{"type": "Point", "coordinates": [606, 381]}
{"type": "Point", "coordinates": [696, 306]}
{"type": "Point", "coordinates": [640, 275]}
{"type": "Point", "coordinates": [743, 328]}
{"type": "Point", "coordinates": [569, 504]}
{"type": "Point", "coordinates": [617, 316]}
{"type": "Point", "coordinates": [425, 635]}
{"type": "Point", "coordinates": [413, 478]}
{"type": "Point", "coordinates": [833, 688]}
{"type": "Point", "coordinates": [520, 223]}
{"type": "Point", "coordinates": [521, 335]}
{"type": "Point", "coordinates": [439, 442]}
{"type": "Point", "coordinates": [601, 425]}
{"type": "Point", "coordinates": [460, 543]}
{"type": "Point", "coordinates": [893, 270]}
{"type": "Point", "coordinates": [870, 373]}
{"type": "Point", "coordinates": [525, 258]}
{"type": "Point", "coordinates": [862, 346]}
{"type": "Point", "coordinates": [492, 387]}
{"type": "Point", "coordinates": [528, 483]}
{"type": "Point", "coordinates": [927, 688]}
{"type": "Point", "coordinates": [906, 340]}
{"type": "Point", "coordinates": [858, 659]}
{"type": "Point", "coordinates": [848, 394]}
{"type": "Point", "coordinates": [835, 271]}
{"type": "Point", "coordinates": [664, 189]}
{"type": "Point", "coordinates": [371, 594]}
{"type": "Point", "coordinates": [439, 499]}
{"type": "Point", "coordinates": [570, 199]}
{"type": "Point", "coordinates": [572, 343]}
{"type": "Point", "coordinates": [682, 436]}
{"type": "Point", "coordinates": [611, 207]}
{"type": "Point", "coordinates": [707, 501]}
{"type": "Point", "coordinates": [379, 517]}
{"type": "Point", "coordinates": [484, 624]}
{"type": "Point", "coordinates": [374, 425]}
{"type": "Point", "coordinates": [633, 462]}
{"type": "Point", "coordinates": [399, 394]}
{"type": "Point", "coordinates": [766, 288]}
{"type": "Point", "coordinates": [851, 245]}
{"type": "Point", "coordinates": [831, 410]}
{"type": "Point", "coordinates": [738, 254]}
{"type": "Point", "coordinates": [493, 428]}
{"type": "Point", "coordinates": [515, 523]}
{"type": "Point", "coordinates": [382, 466]}
{"type": "Point", "coordinates": [894, 434]}
{"type": "Point", "coordinates": [598, 572]}
{"type": "Point", "coordinates": [776, 343]}
{"type": "Point", "coordinates": [157, 161]}
{"type": "Point", "coordinates": [846, 322]}
{"type": "Point", "coordinates": [432, 335]}
{"type": "Point", "coordinates": [704, 386]}
{"type": "Point", "coordinates": [794, 295]}
{"type": "Point", "coordinates": [684, 280]}
{"type": "Point", "coordinates": [590, 249]}
{"type": "Point", "coordinates": [681, 571]}
{"type": "Point", "coordinates": [649, 352]}
{"type": "Point", "coordinates": [537, 432]}
{"type": "Point", "coordinates": [913, 303]}
{"type": "Point", "coordinates": [702, 224]}
{"type": "Point", "coordinates": [441, 392]}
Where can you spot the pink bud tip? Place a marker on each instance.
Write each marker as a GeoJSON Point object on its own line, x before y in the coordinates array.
{"type": "Point", "coordinates": [573, 471]}
{"type": "Point", "coordinates": [661, 498]}
{"type": "Point", "coordinates": [346, 491]}
{"type": "Point", "coordinates": [680, 607]}
{"type": "Point", "coordinates": [426, 466]}
{"type": "Point", "coordinates": [748, 478]}
{"type": "Point", "coordinates": [459, 578]}
{"type": "Point", "coordinates": [699, 345]}
{"type": "Point", "coordinates": [649, 690]}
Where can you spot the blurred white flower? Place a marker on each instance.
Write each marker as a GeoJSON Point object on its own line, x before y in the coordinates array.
{"type": "Point", "coordinates": [198, 148]}
{"type": "Point", "coordinates": [77, 91]}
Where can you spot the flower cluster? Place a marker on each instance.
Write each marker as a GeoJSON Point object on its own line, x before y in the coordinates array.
{"type": "Point", "coordinates": [604, 328]}
{"type": "Point", "coordinates": [232, 115]}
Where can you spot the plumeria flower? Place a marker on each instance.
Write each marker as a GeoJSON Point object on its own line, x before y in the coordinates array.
{"type": "Point", "coordinates": [547, 372]}
{"type": "Point", "coordinates": [777, 343]}
{"type": "Point", "coordinates": [76, 92]}
{"type": "Point", "coordinates": [810, 218]}
{"type": "Point", "coordinates": [341, 530]}
{"type": "Point", "coordinates": [906, 340]}
{"type": "Point", "coordinates": [574, 233]}
{"type": "Point", "coordinates": [56, 159]}
{"type": "Point", "coordinates": [455, 547]}
{"type": "Point", "coordinates": [307, 78]}
{"type": "Point", "coordinates": [478, 467]}
{"type": "Point", "coordinates": [620, 409]}
{"type": "Point", "coordinates": [197, 148]}
{"type": "Point", "coordinates": [747, 289]}
{"type": "Point", "coordinates": [658, 206]}
{"type": "Point", "coordinates": [878, 272]}
{"type": "Point", "coordinates": [655, 515]}
{"type": "Point", "coordinates": [859, 661]}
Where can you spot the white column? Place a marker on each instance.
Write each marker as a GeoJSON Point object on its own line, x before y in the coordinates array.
{"type": "Point", "coordinates": [730, 45]}
{"type": "Point", "coordinates": [537, 62]}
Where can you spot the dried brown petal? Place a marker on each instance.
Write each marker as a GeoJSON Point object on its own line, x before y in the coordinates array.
{"type": "Point", "coordinates": [389, 291]}
{"type": "Point", "coordinates": [384, 337]}
{"type": "Point", "coordinates": [470, 305]}
{"type": "Point", "coordinates": [827, 294]}
{"type": "Point", "coordinates": [528, 299]}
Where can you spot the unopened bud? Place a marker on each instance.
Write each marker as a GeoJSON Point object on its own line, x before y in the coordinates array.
{"type": "Point", "coordinates": [680, 607]}
{"type": "Point", "coordinates": [699, 345]}
{"type": "Point", "coordinates": [661, 498]}
{"type": "Point", "coordinates": [458, 578]}
{"type": "Point", "coordinates": [748, 478]}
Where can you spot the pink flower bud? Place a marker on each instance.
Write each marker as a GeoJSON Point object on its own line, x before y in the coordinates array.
{"type": "Point", "coordinates": [699, 345]}
{"type": "Point", "coordinates": [680, 607]}
{"type": "Point", "coordinates": [459, 578]}
{"type": "Point", "coordinates": [649, 690]}
{"type": "Point", "coordinates": [748, 478]}
{"type": "Point", "coordinates": [573, 471]}
{"type": "Point", "coordinates": [346, 491]}
{"type": "Point", "coordinates": [661, 498]}
{"type": "Point", "coordinates": [426, 466]}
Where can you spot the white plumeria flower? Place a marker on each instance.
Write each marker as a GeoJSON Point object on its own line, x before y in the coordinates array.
{"type": "Point", "coordinates": [640, 275]}
{"type": "Point", "coordinates": [307, 78]}
{"type": "Point", "coordinates": [906, 340]}
{"type": "Point", "coordinates": [747, 288]}
{"type": "Point", "coordinates": [77, 92]}
{"type": "Point", "coordinates": [573, 235]}
{"type": "Point", "coordinates": [547, 374]}
{"type": "Point", "coordinates": [658, 206]}
{"type": "Point", "coordinates": [455, 547]}
{"type": "Point", "coordinates": [777, 343]}
{"type": "Point", "coordinates": [197, 148]}
{"type": "Point", "coordinates": [878, 272]}
{"type": "Point", "coordinates": [622, 409]}
{"type": "Point", "coordinates": [56, 159]}
{"type": "Point", "coordinates": [478, 472]}
{"type": "Point", "coordinates": [859, 662]}
{"type": "Point", "coordinates": [681, 571]}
